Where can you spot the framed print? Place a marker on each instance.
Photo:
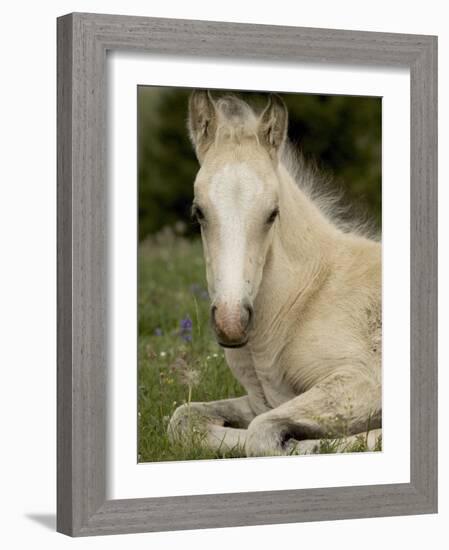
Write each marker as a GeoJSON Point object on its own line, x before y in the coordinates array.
{"type": "Point", "coordinates": [247, 281]}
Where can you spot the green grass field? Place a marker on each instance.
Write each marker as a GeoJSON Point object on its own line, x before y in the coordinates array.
{"type": "Point", "coordinates": [179, 360]}
{"type": "Point", "coordinates": [174, 331]}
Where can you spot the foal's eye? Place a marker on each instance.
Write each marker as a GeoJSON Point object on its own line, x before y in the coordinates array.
{"type": "Point", "coordinates": [273, 215]}
{"type": "Point", "coordinates": [197, 213]}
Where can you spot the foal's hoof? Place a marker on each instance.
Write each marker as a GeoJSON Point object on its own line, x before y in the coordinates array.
{"type": "Point", "coordinates": [304, 447]}
{"type": "Point", "coordinates": [263, 439]}
{"type": "Point", "coordinates": [187, 424]}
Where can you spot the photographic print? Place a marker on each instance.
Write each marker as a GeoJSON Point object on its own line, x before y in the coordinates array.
{"type": "Point", "coordinates": [254, 252]}
{"type": "Point", "coordinates": [260, 277]}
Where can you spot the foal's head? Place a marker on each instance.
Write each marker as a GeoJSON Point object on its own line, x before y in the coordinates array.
{"type": "Point", "coordinates": [236, 202]}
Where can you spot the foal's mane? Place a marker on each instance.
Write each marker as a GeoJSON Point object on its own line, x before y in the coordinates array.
{"type": "Point", "coordinates": [237, 120]}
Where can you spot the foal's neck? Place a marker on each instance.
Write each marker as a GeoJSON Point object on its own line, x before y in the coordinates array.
{"type": "Point", "coordinates": [298, 260]}
{"type": "Point", "coordinates": [304, 233]}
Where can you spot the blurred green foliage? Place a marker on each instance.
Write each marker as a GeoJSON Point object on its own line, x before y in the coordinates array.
{"type": "Point", "coordinates": [342, 134]}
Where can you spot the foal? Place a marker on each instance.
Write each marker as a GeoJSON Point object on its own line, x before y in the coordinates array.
{"type": "Point", "coordinates": [296, 298]}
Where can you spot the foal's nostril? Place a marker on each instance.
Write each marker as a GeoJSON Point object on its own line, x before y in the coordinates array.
{"type": "Point", "coordinates": [213, 310]}
{"type": "Point", "coordinates": [247, 316]}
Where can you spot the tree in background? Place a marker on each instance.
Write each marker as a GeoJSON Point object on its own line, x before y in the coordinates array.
{"type": "Point", "coordinates": [341, 134]}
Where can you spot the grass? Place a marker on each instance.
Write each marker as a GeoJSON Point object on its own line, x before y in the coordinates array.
{"type": "Point", "coordinates": [172, 292]}
{"type": "Point", "coordinates": [179, 361]}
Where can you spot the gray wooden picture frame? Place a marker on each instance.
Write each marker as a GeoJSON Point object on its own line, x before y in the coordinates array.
{"type": "Point", "coordinates": [83, 41]}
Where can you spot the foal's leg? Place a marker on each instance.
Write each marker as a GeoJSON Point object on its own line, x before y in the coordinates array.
{"type": "Point", "coordinates": [225, 439]}
{"type": "Point", "coordinates": [223, 423]}
{"type": "Point", "coordinates": [370, 439]}
{"type": "Point", "coordinates": [347, 402]}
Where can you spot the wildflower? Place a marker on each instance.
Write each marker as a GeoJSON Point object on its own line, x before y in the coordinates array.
{"type": "Point", "coordinates": [163, 353]}
{"type": "Point", "coordinates": [186, 329]}
{"type": "Point", "coordinates": [190, 377]}
{"type": "Point", "coordinates": [150, 352]}
{"type": "Point", "coordinates": [158, 331]}
{"type": "Point", "coordinates": [185, 374]}
{"type": "Point", "coordinates": [179, 364]}
{"type": "Point", "coordinates": [186, 324]}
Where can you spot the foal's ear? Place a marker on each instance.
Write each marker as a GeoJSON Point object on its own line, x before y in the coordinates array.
{"type": "Point", "coordinates": [273, 124]}
{"type": "Point", "coordinates": [202, 122]}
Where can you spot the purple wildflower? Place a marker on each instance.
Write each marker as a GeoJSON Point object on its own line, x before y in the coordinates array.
{"type": "Point", "coordinates": [158, 332]}
{"type": "Point", "coordinates": [186, 329]}
{"type": "Point", "coordinates": [186, 324]}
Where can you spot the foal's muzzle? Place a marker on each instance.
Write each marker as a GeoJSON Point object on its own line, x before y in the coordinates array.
{"type": "Point", "coordinates": [232, 323]}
